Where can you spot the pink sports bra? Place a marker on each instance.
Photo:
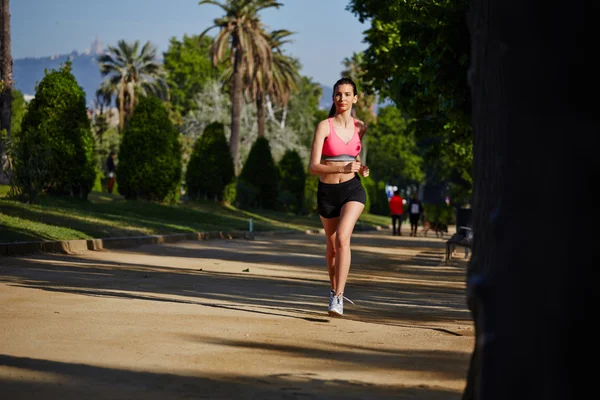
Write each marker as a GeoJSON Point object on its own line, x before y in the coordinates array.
{"type": "Point", "coordinates": [335, 149]}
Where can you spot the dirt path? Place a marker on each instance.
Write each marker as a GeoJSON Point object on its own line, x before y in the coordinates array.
{"type": "Point", "coordinates": [185, 321]}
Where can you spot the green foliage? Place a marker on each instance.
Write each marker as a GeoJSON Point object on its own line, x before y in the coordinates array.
{"type": "Point", "coordinates": [210, 168]}
{"type": "Point", "coordinates": [441, 213]}
{"type": "Point", "coordinates": [230, 194]}
{"type": "Point", "coordinates": [188, 66]}
{"type": "Point", "coordinates": [371, 188]}
{"type": "Point", "coordinates": [109, 141]}
{"type": "Point", "coordinates": [355, 70]}
{"type": "Point", "coordinates": [393, 155]}
{"type": "Point", "coordinates": [54, 151]}
{"type": "Point", "coordinates": [150, 154]}
{"type": "Point", "coordinates": [18, 110]}
{"type": "Point", "coordinates": [379, 200]}
{"type": "Point", "coordinates": [303, 112]}
{"type": "Point", "coordinates": [311, 186]}
{"type": "Point", "coordinates": [418, 57]}
{"type": "Point", "coordinates": [134, 71]}
{"type": "Point", "coordinates": [257, 184]}
{"type": "Point", "coordinates": [292, 181]}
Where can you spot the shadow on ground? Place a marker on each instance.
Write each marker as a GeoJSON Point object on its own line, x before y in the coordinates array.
{"type": "Point", "coordinates": [410, 287]}
{"type": "Point", "coordinates": [78, 381]}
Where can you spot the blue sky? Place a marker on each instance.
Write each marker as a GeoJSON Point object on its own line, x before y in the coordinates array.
{"type": "Point", "coordinates": [325, 32]}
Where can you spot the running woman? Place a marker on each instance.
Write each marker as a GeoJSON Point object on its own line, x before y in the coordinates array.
{"type": "Point", "coordinates": [341, 197]}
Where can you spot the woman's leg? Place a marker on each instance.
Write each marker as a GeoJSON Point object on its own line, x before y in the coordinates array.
{"type": "Point", "coordinates": [330, 225]}
{"type": "Point", "coordinates": [348, 217]}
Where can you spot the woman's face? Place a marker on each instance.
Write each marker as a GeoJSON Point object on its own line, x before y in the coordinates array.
{"type": "Point", "coordinates": [344, 97]}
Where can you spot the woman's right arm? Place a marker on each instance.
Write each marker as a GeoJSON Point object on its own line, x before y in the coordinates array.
{"type": "Point", "coordinates": [315, 167]}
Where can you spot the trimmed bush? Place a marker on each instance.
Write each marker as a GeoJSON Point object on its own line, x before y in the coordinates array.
{"type": "Point", "coordinates": [371, 189]}
{"type": "Point", "coordinates": [229, 194]}
{"type": "Point", "coordinates": [292, 181]}
{"type": "Point", "coordinates": [54, 151]}
{"type": "Point", "coordinates": [210, 168]}
{"type": "Point", "coordinates": [149, 164]}
{"type": "Point", "coordinates": [439, 213]}
{"type": "Point", "coordinates": [379, 201]}
{"type": "Point", "coordinates": [311, 186]}
{"type": "Point", "coordinates": [257, 184]}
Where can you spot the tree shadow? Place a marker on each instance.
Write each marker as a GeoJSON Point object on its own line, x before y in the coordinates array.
{"type": "Point", "coordinates": [386, 290]}
{"type": "Point", "coordinates": [64, 380]}
{"type": "Point", "coordinates": [437, 364]}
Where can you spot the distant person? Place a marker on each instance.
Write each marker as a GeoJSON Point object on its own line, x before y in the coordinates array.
{"type": "Point", "coordinates": [341, 198]}
{"type": "Point", "coordinates": [415, 210]}
{"type": "Point", "coordinates": [110, 168]}
{"type": "Point", "coordinates": [397, 211]}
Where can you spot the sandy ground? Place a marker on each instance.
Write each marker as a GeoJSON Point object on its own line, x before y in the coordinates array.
{"type": "Point", "coordinates": [186, 321]}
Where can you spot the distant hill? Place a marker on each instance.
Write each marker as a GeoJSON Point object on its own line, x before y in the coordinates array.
{"type": "Point", "coordinates": [27, 72]}
{"type": "Point", "coordinates": [325, 101]}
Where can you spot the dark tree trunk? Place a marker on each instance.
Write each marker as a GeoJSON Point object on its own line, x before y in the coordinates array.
{"type": "Point", "coordinates": [6, 65]}
{"type": "Point", "coordinates": [535, 138]}
{"type": "Point", "coordinates": [122, 103]}
{"type": "Point", "coordinates": [260, 115]}
{"type": "Point", "coordinates": [236, 107]}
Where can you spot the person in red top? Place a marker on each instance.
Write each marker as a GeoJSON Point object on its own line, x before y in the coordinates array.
{"type": "Point", "coordinates": [397, 211]}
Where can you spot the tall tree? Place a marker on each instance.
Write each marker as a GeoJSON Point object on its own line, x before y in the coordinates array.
{"type": "Point", "coordinates": [242, 33]}
{"type": "Point", "coordinates": [131, 72]}
{"type": "Point", "coordinates": [418, 57]}
{"type": "Point", "coordinates": [392, 144]}
{"type": "Point", "coordinates": [285, 74]}
{"type": "Point", "coordinates": [188, 67]}
{"type": "Point", "coordinates": [6, 65]}
{"type": "Point", "coordinates": [303, 110]}
{"type": "Point", "coordinates": [535, 132]}
{"type": "Point", "coordinates": [273, 82]}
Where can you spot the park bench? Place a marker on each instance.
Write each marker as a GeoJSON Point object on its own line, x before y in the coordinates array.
{"type": "Point", "coordinates": [462, 238]}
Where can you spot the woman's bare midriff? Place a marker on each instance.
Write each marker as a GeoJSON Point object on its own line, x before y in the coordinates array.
{"type": "Point", "coordinates": [336, 178]}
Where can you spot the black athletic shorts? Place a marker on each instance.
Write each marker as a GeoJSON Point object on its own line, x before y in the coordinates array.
{"type": "Point", "coordinates": [332, 196]}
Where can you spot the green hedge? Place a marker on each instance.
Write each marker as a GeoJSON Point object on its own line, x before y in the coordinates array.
{"type": "Point", "coordinates": [150, 154]}
{"type": "Point", "coordinates": [439, 213]}
{"type": "Point", "coordinates": [292, 181]}
{"type": "Point", "coordinates": [258, 182]}
{"type": "Point", "coordinates": [54, 151]}
{"type": "Point", "coordinates": [210, 168]}
{"type": "Point", "coordinates": [311, 186]}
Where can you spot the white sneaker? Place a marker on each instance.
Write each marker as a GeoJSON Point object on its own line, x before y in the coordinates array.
{"type": "Point", "coordinates": [331, 297]}
{"type": "Point", "coordinates": [336, 305]}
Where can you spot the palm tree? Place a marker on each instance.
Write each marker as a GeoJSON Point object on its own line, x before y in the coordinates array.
{"type": "Point", "coordinates": [278, 83]}
{"type": "Point", "coordinates": [273, 82]}
{"type": "Point", "coordinates": [241, 32]}
{"type": "Point", "coordinates": [6, 65]}
{"type": "Point", "coordinates": [131, 72]}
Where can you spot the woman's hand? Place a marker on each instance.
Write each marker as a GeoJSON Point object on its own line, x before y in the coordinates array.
{"type": "Point", "coordinates": [352, 167]}
{"type": "Point", "coordinates": [364, 171]}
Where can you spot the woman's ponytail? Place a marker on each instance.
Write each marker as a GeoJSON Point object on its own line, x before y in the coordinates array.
{"type": "Point", "coordinates": [332, 111]}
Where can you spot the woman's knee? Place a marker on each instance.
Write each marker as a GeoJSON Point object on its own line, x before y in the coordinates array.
{"type": "Point", "coordinates": [331, 244]}
{"type": "Point", "coordinates": [342, 240]}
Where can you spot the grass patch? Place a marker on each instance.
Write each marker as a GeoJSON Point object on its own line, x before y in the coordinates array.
{"type": "Point", "coordinates": [105, 215]}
